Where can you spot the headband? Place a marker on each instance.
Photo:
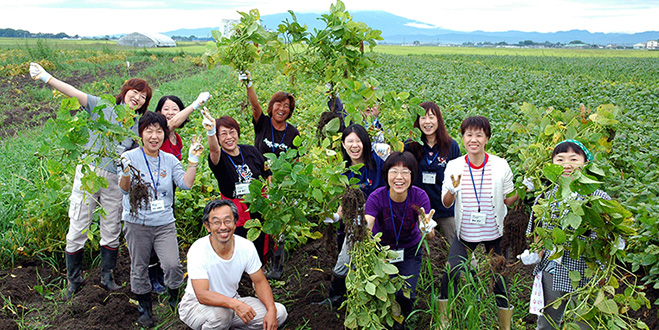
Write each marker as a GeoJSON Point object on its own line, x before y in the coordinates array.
{"type": "Point", "coordinates": [589, 156]}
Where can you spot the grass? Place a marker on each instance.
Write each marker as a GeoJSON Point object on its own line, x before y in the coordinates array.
{"type": "Point", "coordinates": [551, 52]}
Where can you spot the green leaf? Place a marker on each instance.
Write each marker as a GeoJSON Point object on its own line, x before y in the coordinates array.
{"type": "Point", "coordinates": [253, 234]}
{"type": "Point", "coordinates": [559, 235]}
{"type": "Point", "coordinates": [253, 223]}
{"type": "Point", "coordinates": [552, 172]}
{"type": "Point", "coordinates": [370, 288]}
{"type": "Point", "coordinates": [608, 306]}
{"type": "Point", "coordinates": [390, 269]}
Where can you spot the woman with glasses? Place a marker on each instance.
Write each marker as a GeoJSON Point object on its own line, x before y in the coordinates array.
{"type": "Point", "coordinates": [397, 210]}
{"type": "Point", "coordinates": [234, 166]}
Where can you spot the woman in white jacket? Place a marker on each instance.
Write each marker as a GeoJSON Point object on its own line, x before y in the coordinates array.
{"type": "Point", "coordinates": [477, 184]}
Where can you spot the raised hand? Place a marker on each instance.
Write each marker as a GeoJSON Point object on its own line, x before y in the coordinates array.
{"type": "Point", "coordinates": [426, 223]}
{"type": "Point", "coordinates": [201, 99]}
{"type": "Point", "coordinates": [455, 187]}
{"type": "Point", "coordinates": [245, 78]}
{"type": "Point", "coordinates": [196, 149]}
{"type": "Point", "coordinates": [38, 72]}
{"type": "Point", "coordinates": [208, 122]}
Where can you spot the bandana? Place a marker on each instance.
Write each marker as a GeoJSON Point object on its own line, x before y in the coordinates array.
{"type": "Point", "coordinates": [589, 156]}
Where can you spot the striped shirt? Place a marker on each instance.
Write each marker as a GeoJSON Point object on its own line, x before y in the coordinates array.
{"type": "Point", "coordinates": [474, 196]}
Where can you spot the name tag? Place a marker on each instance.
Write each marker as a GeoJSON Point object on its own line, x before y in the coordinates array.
{"type": "Point", "coordinates": [157, 205]}
{"type": "Point", "coordinates": [429, 177]}
{"type": "Point", "coordinates": [401, 256]}
{"type": "Point", "coordinates": [242, 189]}
{"type": "Point", "coordinates": [478, 218]}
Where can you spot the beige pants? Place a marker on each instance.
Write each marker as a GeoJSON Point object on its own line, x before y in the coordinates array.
{"type": "Point", "coordinates": [198, 316]}
{"type": "Point", "coordinates": [83, 205]}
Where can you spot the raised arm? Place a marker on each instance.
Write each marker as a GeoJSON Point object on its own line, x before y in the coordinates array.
{"type": "Point", "coordinates": [213, 144]}
{"type": "Point", "coordinates": [196, 149]}
{"type": "Point", "coordinates": [37, 72]}
{"type": "Point", "coordinates": [180, 117]}
{"type": "Point", "coordinates": [251, 95]}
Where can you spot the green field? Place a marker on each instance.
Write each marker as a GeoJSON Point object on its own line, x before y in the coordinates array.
{"type": "Point", "coordinates": [463, 81]}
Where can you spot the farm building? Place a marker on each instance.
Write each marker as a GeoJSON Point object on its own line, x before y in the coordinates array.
{"type": "Point", "coordinates": [149, 40]}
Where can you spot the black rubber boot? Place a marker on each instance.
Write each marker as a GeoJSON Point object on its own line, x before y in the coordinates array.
{"type": "Point", "coordinates": [173, 299]}
{"type": "Point", "coordinates": [74, 272]}
{"type": "Point", "coordinates": [337, 292]}
{"type": "Point", "coordinates": [277, 269]}
{"type": "Point", "coordinates": [108, 262]}
{"type": "Point", "coordinates": [145, 310]}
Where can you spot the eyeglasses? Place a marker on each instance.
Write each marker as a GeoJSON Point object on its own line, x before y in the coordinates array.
{"type": "Point", "coordinates": [404, 173]}
{"type": "Point", "coordinates": [218, 223]}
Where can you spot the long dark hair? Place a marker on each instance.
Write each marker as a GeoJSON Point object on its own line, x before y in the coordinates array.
{"type": "Point", "coordinates": [174, 99]}
{"type": "Point", "coordinates": [367, 153]}
{"type": "Point", "coordinates": [441, 135]}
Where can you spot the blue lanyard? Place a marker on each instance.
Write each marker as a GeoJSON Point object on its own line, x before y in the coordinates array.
{"type": "Point", "coordinates": [474, 183]}
{"type": "Point", "coordinates": [238, 169]}
{"type": "Point", "coordinates": [272, 130]}
{"type": "Point", "coordinates": [431, 161]}
{"type": "Point", "coordinates": [391, 209]}
{"type": "Point", "coordinates": [155, 184]}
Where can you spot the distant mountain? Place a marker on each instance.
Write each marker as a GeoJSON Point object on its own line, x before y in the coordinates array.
{"type": "Point", "coordinates": [397, 29]}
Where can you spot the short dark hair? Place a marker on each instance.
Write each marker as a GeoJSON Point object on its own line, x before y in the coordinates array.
{"type": "Point", "coordinates": [212, 205]}
{"type": "Point", "coordinates": [567, 146]}
{"type": "Point", "coordinates": [476, 122]}
{"type": "Point", "coordinates": [139, 85]}
{"type": "Point", "coordinates": [153, 118]}
{"type": "Point", "coordinates": [228, 122]}
{"type": "Point", "coordinates": [406, 159]}
{"type": "Point", "coordinates": [174, 99]}
{"type": "Point", "coordinates": [367, 153]}
{"type": "Point", "coordinates": [280, 97]}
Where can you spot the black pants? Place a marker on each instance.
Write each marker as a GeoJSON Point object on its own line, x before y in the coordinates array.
{"type": "Point", "coordinates": [458, 256]}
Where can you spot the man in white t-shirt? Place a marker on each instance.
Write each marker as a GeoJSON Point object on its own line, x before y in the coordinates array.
{"type": "Point", "coordinates": [215, 265]}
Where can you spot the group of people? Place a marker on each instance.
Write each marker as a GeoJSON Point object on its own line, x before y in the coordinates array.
{"type": "Point", "coordinates": [466, 196]}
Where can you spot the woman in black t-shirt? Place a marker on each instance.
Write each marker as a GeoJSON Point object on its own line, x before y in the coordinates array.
{"type": "Point", "coordinates": [272, 134]}
{"type": "Point", "coordinates": [234, 166]}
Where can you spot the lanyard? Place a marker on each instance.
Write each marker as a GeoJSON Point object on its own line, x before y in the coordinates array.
{"type": "Point", "coordinates": [155, 184]}
{"type": "Point", "coordinates": [431, 161]}
{"type": "Point", "coordinates": [474, 183]}
{"type": "Point", "coordinates": [272, 130]}
{"type": "Point", "coordinates": [391, 209]}
{"type": "Point", "coordinates": [239, 169]}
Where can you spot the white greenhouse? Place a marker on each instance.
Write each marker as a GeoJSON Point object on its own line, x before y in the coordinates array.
{"type": "Point", "coordinates": [148, 40]}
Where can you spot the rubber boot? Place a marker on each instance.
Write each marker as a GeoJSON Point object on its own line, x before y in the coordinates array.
{"type": "Point", "coordinates": [145, 310]}
{"type": "Point", "coordinates": [157, 278]}
{"type": "Point", "coordinates": [277, 264]}
{"type": "Point", "coordinates": [337, 292]}
{"type": "Point", "coordinates": [173, 299]}
{"type": "Point", "coordinates": [505, 316]}
{"type": "Point", "coordinates": [108, 262]}
{"type": "Point", "coordinates": [442, 308]}
{"type": "Point", "coordinates": [74, 272]}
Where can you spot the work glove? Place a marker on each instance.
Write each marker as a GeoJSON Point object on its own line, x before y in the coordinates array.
{"type": "Point", "coordinates": [529, 258]}
{"type": "Point", "coordinates": [201, 99]}
{"type": "Point", "coordinates": [195, 150]}
{"type": "Point", "coordinates": [125, 165]}
{"type": "Point", "coordinates": [382, 149]}
{"type": "Point", "coordinates": [455, 186]}
{"type": "Point", "coordinates": [208, 122]}
{"type": "Point", "coordinates": [245, 78]}
{"type": "Point", "coordinates": [38, 72]}
{"type": "Point", "coordinates": [335, 218]}
{"type": "Point", "coordinates": [427, 224]}
{"type": "Point", "coordinates": [528, 183]}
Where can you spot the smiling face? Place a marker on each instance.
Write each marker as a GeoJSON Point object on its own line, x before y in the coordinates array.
{"type": "Point", "coordinates": [280, 110]}
{"type": "Point", "coordinates": [134, 99]}
{"type": "Point", "coordinates": [570, 161]}
{"type": "Point", "coordinates": [399, 178]}
{"type": "Point", "coordinates": [170, 109]}
{"type": "Point", "coordinates": [354, 148]}
{"type": "Point", "coordinates": [221, 224]}
{"type": "Point", "coordinates": [428, 124]}
{"type": "Point", "coordinates": [474, 141]}
{"type": "Point", "coordinates": [153, 137]}
{"type": "Point", "coordinates": [228, 138]}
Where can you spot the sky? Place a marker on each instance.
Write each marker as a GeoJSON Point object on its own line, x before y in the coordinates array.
{"type": "Point", "coordinates": [108, 17]}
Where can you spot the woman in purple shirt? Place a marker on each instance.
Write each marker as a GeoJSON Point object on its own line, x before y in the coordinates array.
{"type": "Point", "coordinates": [392, 211]}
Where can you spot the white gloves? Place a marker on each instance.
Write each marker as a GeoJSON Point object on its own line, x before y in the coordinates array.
{"type": "Point", "coordinates": [245, 77]}
{"type": "Point", "coordinates": [201, 99]}
{"type": "Point", "coordinates": [125, 165]}
{"type": "Point", "coordinates": [37, 72]}
{"type": "Point", "coordinates": [208, 122]}
{"type": "Point", "coordinates": [622, 244]}
{"type": "Point", "coordinates": [529, 258]}
{"type": "Point", "coordinates": [528, 183]}
{"type": "Point", "coordinates": [454, 190]}
{"type": "Point", "coordinates": [382, 149]}
{"type": "Point", "coordinates": [426, 228]}
{"type": "Point", "coordinates": [455, 186]}
{"type": "Point", "coordinates": [335, 218]}
{"type": "Point", "coordinates": [195, 150]}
